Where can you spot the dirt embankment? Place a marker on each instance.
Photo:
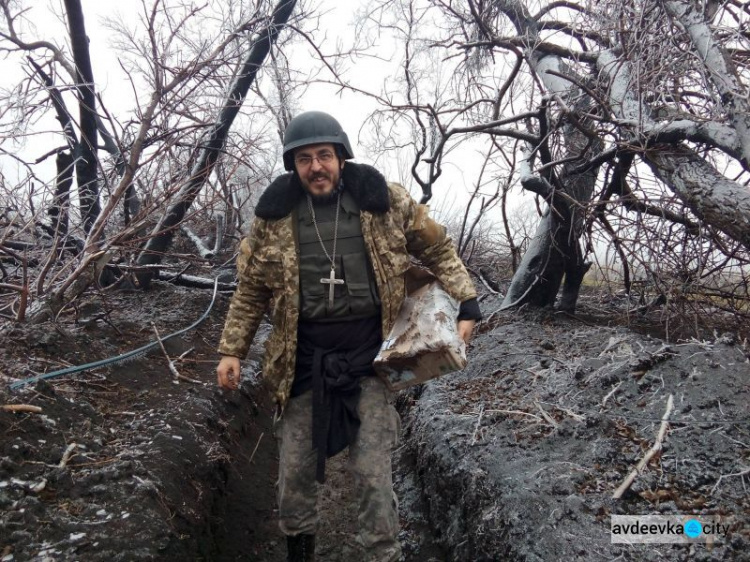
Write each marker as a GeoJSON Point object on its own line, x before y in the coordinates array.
{"type": "Point", "coordinates": [147, 458]}
{"type": "Point", "coordinates": [514, 459]}
{"type": "Point", "coordinates": [520, 454]}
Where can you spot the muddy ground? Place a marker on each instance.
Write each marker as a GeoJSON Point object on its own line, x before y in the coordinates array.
{"type": "Point", "coordinates": [516, 458]}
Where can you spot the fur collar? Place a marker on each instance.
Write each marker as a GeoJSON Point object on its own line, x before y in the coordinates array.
{"type": "Point", "coordinates": [365, 183]}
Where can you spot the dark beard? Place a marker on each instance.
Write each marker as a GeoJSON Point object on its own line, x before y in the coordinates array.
{"type": "Point", "coordinates": [327, 197]}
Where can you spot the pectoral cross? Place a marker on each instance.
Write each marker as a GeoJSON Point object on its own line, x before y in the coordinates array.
{"type": "Point", "coordinates": [331, 281]}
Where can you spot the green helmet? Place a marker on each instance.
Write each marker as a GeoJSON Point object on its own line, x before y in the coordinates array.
{"type": "Point", "coordinates": [313, 127]}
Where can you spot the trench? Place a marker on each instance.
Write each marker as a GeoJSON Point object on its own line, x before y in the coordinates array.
{"type": "Point", "coordinates": [243, 523]}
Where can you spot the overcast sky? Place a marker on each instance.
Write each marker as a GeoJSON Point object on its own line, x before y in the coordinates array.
{"type": "Point", "coordinates": [336, 28]}
{"type": "Point", "coordinates": [115, 90]}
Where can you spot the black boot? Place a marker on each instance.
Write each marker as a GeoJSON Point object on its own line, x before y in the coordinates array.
{"type": "Point", "coordinates": [300, 548]}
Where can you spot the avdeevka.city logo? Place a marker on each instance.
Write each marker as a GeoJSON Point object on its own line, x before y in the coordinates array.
{"type": "Point", "coordinates": [653, 529]}
{"type": "Point", "coordinates": [693, 528]}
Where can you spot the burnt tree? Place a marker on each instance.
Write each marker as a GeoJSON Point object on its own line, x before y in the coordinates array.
{"type": "Point", "coordinates": [210, 150]}
{"type": "Point", "coordinates": [87, 165]}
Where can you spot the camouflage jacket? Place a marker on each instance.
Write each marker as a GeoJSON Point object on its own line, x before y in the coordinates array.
{"type": "Point", "coordinates": [394, 228]}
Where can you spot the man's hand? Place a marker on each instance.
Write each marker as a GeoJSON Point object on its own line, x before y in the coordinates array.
{"type": "Point", "coordinates": [228, 372]}
{"type": "Point", "coordinates": [465, 327]}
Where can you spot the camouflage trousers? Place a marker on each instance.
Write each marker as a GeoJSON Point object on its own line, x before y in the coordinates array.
{"type": "Point", "coordinates": [369, 463]}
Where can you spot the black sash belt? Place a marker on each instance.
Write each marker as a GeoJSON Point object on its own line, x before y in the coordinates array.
{"type": "Point", "coordinates": [331, 359]}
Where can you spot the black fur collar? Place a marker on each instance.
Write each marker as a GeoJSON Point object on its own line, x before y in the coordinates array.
{"type": "Point", "coordinates": [365, 183]}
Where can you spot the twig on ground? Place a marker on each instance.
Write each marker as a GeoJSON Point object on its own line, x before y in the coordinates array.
{"type": "Point", "coordinates": [67, 455]}
{"type": "Point", "coordinates": [477, 427]}
{"type": "Point", "coordinates": [177, 375]}
{"type": "Point", "coordinates": [745, 445]}
{"type": "Point", "coordinates": [609, 395]}
{"type": "Point", "coordinates": [568, 411]}
{"type": "Point", "coordinates": [94, 463]}
{"type": "Point", "coordinates": [651, 452]}
{"type": "Point", "coordinates": [492, 315]}
{"type": "Point", "coordinates": [741, 474]}
{"type": "Point", "coordinates": [536, 374]}
{"type": "Point", "coordinates": [172, 368]}
{"type": "Point", "coordinates": [545, 415]}
{"type": "Point", "coordinates": [511, 412]}
{"type": "Point", "coordinates": [487, 284]}
{"type": "Point", "coordinates": [21, 408]}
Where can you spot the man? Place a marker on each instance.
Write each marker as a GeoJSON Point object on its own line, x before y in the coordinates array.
{"type": "Point", "coordinates": [329, 247]}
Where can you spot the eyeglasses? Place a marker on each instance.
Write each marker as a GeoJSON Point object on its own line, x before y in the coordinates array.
{"type": "Point", "coordinates": [323, 158]}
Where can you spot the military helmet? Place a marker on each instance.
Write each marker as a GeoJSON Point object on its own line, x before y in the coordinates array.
{"type": "Point", "coordinates": [313, 127]}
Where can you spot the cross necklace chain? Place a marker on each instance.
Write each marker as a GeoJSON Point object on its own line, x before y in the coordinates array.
{"type": "Point", "coordinates": [331, 279]}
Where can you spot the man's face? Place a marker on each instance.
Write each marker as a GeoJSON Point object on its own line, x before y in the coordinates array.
{"type": "Point", "coordinates": [318, 167]}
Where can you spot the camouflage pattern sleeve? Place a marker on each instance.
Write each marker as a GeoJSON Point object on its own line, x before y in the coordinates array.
{"type": "Point", "coordinates": [428, 241]}
{"type": "Point", "coordinates": [250, 299]}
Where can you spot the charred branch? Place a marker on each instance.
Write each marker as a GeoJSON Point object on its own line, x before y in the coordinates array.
{"type": "Point", "coordinates": [203, 250]}
{"type": "Point", "coordinates": [61, 110]}
{"type": "Point", "coordinates": [195, 282]}
{"type": "Point", "coordinates": [58, 210]}
{"type": "Point", "coordinates": [86, 164]}
{"type": "Point", "coordinates": [7, 245]}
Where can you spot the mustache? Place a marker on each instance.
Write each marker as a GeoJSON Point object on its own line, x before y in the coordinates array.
{"type": "Point", "coordinates": [317, 175]}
